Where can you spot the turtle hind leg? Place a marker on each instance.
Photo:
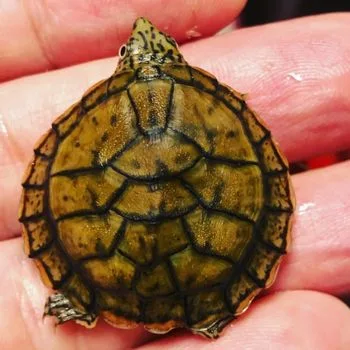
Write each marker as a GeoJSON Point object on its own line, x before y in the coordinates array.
{"type": "Point", "coordinates": [215, 329]}
{"type": "Point", "coordinates": [59, 306]}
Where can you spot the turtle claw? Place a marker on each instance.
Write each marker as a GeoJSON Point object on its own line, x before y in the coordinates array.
{"type": "Point", "coordinates": [59, 306]}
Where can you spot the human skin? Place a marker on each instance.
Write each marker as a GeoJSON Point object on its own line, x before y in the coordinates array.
{"type": "Point", "coordinates": [297, 76]}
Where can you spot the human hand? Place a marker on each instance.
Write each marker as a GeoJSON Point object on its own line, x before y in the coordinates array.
{"type": "Point", "coordinates": [297, 76]}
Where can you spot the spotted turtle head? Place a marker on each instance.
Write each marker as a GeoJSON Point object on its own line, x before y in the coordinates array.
{"type": "Point", "coordinates": [147, 44]}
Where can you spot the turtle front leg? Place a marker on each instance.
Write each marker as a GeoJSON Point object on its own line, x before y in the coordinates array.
{"type": "Point", "coordinates": [59, 306]}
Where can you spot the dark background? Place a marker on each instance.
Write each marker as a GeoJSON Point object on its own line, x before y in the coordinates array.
{"type": "Point", "coordinates": [264, 11]}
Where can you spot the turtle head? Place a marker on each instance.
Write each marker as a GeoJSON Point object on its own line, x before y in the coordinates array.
{"type": "Point", "coordinates": [148, 44]}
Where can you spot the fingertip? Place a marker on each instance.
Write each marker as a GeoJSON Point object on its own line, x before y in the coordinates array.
{"type": "Point", "coordinates": [54, 34]}
{"type": "Point", "coordinates": [285, 320]}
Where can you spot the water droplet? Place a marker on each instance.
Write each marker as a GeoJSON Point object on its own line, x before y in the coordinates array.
{"type": "Point", "coordinates": [193, 33]}
{"type": "Point", "coordinates": [295, 76]}
{"type": "Point", "coordinates": [304, 208]}
{"type": "Point", "coordinates": [3, 129]}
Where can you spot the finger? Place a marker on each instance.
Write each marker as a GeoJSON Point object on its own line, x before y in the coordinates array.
{"type": "Point", "coordinates": [22, 301]}
{"type": "Point", "coordinates": [272, 92]}
{"type": "Point", "coordinates": [320, 253]}
{"type": "Point", "coordinates": [40, 35]}
{"type": "Point", "coordinates": [270, 319]}
{"type": "Point", "coordinates": [297, 76]}
{"type": "Point", "coordinates": [289, 320]}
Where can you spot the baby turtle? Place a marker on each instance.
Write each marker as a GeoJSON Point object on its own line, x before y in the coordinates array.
{"type": "Point", "coordinates": [159, 198]}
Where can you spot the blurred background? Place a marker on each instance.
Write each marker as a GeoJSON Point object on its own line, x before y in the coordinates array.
{"type": "Point", "coordinates": [266, 11]}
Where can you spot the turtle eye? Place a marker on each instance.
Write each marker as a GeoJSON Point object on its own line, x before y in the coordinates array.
{"type": "Point", "coordinates": [122, 51]}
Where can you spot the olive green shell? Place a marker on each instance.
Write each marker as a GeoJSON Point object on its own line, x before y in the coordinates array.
{"type": "Point", "coordinates": [159, 198]}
